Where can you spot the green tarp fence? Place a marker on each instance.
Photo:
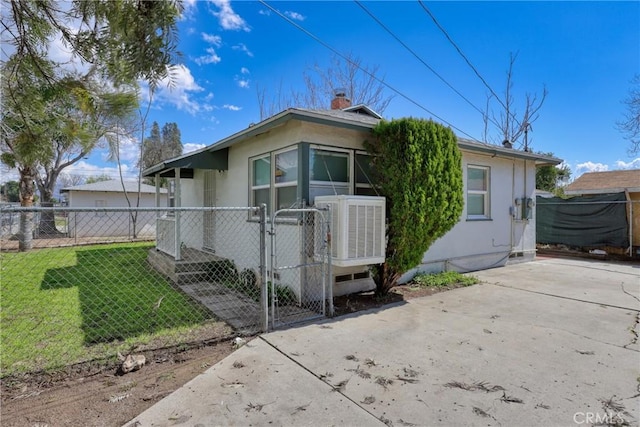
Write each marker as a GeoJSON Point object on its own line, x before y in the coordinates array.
{"type": "Point", "coordinates": [592, 221]}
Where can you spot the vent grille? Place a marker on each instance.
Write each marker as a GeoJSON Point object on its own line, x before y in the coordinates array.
{"type": "Point", "coordinates": [358, 229]}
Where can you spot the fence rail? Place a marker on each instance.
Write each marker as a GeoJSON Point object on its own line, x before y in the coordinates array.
{"type": "Point", "coordinates": [102, 280]}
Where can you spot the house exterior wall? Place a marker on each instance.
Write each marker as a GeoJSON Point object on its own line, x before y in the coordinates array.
{"type": "Point", "coordinates": [97, 224]}
{"type": "Point", "coordinates": [470, 245]}
{"type": "Point", "coordinates": [232, 186]}
{"type": "Point", "coordinates": [480, 244]}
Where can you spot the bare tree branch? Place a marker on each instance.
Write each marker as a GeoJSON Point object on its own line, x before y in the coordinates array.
{"type": "Point", "coordinates": [630, 123]}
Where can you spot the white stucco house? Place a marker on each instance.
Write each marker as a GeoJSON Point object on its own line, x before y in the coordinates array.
{"type": "Point", "coordinates": [300, 154]}
{"type": "Point", "coordinates": [111, 194]}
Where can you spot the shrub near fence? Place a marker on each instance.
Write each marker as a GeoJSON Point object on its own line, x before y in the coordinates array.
{"type": "Point", "coordinates": [72, 300]}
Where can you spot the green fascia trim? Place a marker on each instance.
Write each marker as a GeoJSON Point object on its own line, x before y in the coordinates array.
{"type": "Point", "coordinates": [216, 160]}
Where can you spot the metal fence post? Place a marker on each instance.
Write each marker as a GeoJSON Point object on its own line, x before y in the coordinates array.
{"type": "Point", "coordinates": [329, 272]}
{"type": "Point", "coordinates": [264, 293]}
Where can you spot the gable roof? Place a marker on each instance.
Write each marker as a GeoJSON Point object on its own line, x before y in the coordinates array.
{"type": "Point", "coordinates": [605, 182]}
{"type": "Point", "coordinates": [358, 117]}
{"type": "Point", "coordinates": [114, 186]}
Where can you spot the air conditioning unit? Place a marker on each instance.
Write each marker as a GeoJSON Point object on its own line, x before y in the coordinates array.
{"type": "Point", "coordinates": [357, 229]}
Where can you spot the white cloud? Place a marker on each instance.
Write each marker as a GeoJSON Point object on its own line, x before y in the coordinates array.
{"type": "Point", "coordinates": [86, 169]}
{"type": "Point", "coordinates": [232, 107]}
{"type": "Point", "coordinates": [8, 174]}
{"type": "Point", "coordinates": [211, 57]}
{"type": "Point", "coordinates": [633, 164]}
{"type": "Point", "coordinates": [59, 52]}
{"type": "Point", "coordinates": [264, 12]}
{"type": "Point", "coordinates": [190, 146]}
{"type": "Point", "coordinates": [189, 9]}
{"type": "Point", "coordinates": [244, 70]}
{"type": "Point", "coordinates": [295, 15]}
{"type": "Point", "coordinates": [590, 167]}
{"type": "Point", "coordinates": [243, 83]}
{"type": "Point", "coordinates": [243, 48]}
{"type": "Point", "coordinates": [228, 19]}
{"type": "Point", "coordinates": [212, 39]}
{"type": "Point", "coordinates": [209, 97]}
{"type": "Point", "coordinates": [176, 91]}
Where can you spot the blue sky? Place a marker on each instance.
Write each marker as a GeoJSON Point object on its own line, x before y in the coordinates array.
{"type": "Point", "coordinates": [584, 53]}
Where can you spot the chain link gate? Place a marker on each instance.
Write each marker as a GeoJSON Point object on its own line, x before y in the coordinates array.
{"type": "Point", "coordinates": [299, 283]}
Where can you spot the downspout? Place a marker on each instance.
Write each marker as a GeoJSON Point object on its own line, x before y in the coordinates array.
{"type": "Point", "coordinates": [514, 207]}
{"type": "Point", "coordinates": [525, 220]}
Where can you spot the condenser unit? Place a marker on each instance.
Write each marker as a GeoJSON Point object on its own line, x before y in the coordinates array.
{"type": "Point", "coordinates": [357, 229]}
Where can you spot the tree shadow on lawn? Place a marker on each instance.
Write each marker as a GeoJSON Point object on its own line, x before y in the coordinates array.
{"type": "Point", "coordinates": [120, 297]}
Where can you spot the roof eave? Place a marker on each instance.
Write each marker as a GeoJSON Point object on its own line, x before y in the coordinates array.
{"type": "Point", "coordinates": [252, 131]}
{"type": "Point", "coordinates": [603, 191]}
{"type": "Point", "coordinates": [494, 150]}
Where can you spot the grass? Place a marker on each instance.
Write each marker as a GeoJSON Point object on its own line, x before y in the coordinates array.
{"type": "Point", "coordinates": [66, 305]}
{"type": "Point", "coordinates": [442, 280]}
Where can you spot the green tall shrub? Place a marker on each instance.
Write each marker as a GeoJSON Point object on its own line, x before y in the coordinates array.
{"type": "Point", "coordinates": [417, 167]}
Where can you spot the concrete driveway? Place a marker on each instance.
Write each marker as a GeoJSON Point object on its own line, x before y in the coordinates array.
{"type": "Point", "coordinates": [551, 342]}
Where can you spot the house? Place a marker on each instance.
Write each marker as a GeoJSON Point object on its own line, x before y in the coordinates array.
{"type": "Point", "coordinates": [626, 183]}
{"type": "Point", "coordinates": [111, 194]}
{"type": "Point", "coordinates": [299, 154]}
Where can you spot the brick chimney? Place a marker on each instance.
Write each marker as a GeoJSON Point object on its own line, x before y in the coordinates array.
{"type": "Point", "coordinates": [340, 100]}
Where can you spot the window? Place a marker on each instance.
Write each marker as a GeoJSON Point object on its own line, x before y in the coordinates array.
{"type": "Point", "coordinates": [261, 181]}
{"type": "Point", "coordinates": [101, 204]}
{"type": "Point", "coordinates": [171, 196]}
{"type": "Point", "coordinates": [286, 179]}
{"type": "Point", "coordinates": [329, 172]}
{"type": "Point", "coordinates": [364, 176]}
{"type": "Point", "coordinates": [478, 196]}
{"type": "Point", "coordinates": [278, 172]}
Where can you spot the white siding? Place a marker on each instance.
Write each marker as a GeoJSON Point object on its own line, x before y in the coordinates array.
{"type": "Point", "coordinates": [94, 224]}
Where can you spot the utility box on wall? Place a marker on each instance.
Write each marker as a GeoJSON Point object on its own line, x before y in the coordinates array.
{"type": "Point", "coordinates": [357, 229]}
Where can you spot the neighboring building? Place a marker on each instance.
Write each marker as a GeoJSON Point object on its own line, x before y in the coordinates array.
{"type": "Point", "coordinates": [110, 194]}
{"type": "Point", "coordinates": [611, 182]}
{"type": "Point", "coordinates": [300, 154]}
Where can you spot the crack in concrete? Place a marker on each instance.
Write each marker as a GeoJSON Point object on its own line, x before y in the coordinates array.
{"type": "Point", "coordinates": [633, 331]}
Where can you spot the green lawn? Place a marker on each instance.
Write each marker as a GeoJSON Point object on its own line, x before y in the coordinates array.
{"type": "Point", "coordinates": [66, 305]}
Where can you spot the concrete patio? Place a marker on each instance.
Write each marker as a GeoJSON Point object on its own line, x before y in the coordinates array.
{"type": "Point", "coordinates": [551, 342]}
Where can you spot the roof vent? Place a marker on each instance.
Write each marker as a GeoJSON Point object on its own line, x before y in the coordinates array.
{"type": "Point", "coordinates": [507, 144]}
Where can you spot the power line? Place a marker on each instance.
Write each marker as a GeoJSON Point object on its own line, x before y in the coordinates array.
{"type": "Point", "coordinates": [326, 45]}
{"type": "Point", "coordinates": [477, 73]}
{"type": "Point", "coordinates": [422, 61]}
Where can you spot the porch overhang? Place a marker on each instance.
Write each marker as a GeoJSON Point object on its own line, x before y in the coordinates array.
{"type": "Point", "coordinates": [214, 160]}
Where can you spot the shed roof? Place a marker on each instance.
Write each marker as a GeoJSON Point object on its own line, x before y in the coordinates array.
{"type": "Point", "coordinates": [114, 186]}
{"type": "Point", "coordinates": [605, 182]}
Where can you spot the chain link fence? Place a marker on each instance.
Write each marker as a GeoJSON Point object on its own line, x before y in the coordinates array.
{"type": "Point", "coordinates": [299, 285]}
{"type": "Point", "coordinates": [104, 280]}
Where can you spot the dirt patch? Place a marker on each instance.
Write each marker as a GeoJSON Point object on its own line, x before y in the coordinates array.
{"type": "Point", "coordinates": [348, 304]}
{"type": "Point", "coordinates": [103, 398]}
{"type": "Point", "coordinates": [94, 394]}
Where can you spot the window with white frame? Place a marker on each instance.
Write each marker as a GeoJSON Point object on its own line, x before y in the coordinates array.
{"type": "Point", "coordinates": [286, 179]}
{"type": "Point", "coordinates": [329, 172]}
{"type": "Point", "coordinates": [478, 195]}
{"type": "Point", "coordinates": [171, 196]}
{"type": "Point", "coordinates": [261, 181]}
{"type": "Point", "coordinates": [278, 172]}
